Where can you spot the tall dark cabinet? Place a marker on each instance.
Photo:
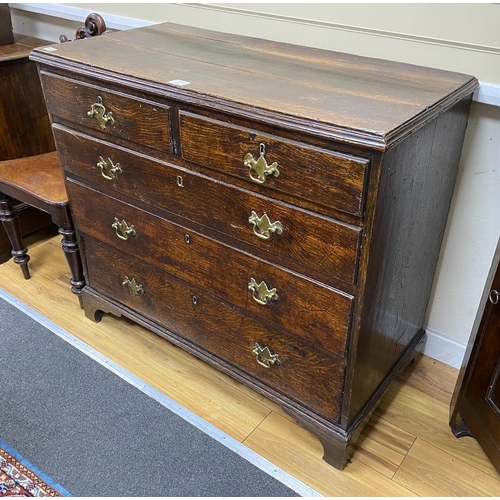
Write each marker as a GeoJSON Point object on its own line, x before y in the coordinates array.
{"type": "Point", "coordinates": [475, 407]}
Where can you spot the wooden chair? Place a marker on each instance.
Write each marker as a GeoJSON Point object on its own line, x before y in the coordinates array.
{"type": "Point", "coordinates": [38, 181]}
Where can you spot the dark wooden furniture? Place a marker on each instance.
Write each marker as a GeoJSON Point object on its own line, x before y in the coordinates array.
{"type": "Point", "coordinates": [38, 181]}
{"type": "Point", "coordinates": [475, 406]}
{"type": "Point", "coordinates": [275, 210]}
{"type": "Point", "coordinates": [25, 126]}
{"type": "Point", "coordinates": [6, 33]}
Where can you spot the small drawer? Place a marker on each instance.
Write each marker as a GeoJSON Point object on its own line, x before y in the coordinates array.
{"type": "Point", "coordinates": [330, 179]}
{"type": "Point", "coordinates": [294, 369]}
{"type": "Point", "coordinates": [287, 232]}
{"type": "Point", "coordinates": [113, 114]}
{"type": "Point", "coordinates": [316, 312]}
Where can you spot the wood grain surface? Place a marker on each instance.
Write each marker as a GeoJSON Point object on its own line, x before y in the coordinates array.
{"type": "Point", "coordinates": [413, 200]}
{"type": "Point", "coordinates": [386, 177]}
{"type": "Point", "coordinates": [136, 121]}
{"type": "Point", "coordinates": [325, 178]}
{"type": "Point", "coordinates": [367, 100]}
{"type": "Point", "coordinates": [40, 179]}
{"type": "Point", "coordinates": [192, 314]}
{"type": "Point", "coordinates": [307, 239]}
{"type": "Point", "coordinates": [24, 126]}
{"type": "Point", "coordinates": [198, 262]}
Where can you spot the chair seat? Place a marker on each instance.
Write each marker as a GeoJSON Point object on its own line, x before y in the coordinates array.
{"type": "Point", "coordinates": [38, 181]}
{"type": "Point", "coordinates": [40, 176]}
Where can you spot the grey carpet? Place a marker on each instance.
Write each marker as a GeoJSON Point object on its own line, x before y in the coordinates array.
{"type": "Point", "coordinates": [97, 435]}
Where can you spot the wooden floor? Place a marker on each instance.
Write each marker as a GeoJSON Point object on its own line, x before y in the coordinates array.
{"type": "Point", "coordinates": [407, 448]}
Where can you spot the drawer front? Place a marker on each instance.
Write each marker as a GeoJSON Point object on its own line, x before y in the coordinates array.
{"type": "Point", "coordinates": [331, 179]}
{"type": "Point", "coordinates": [297, 235]}
{"type": "Point", "coordinates": [316, 312]}
{"type": "Point", "coordinates": [302, 374]}
{"type": "Point", "coordinates": [132, 119]}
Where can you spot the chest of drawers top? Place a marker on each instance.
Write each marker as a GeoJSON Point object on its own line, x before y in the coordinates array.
{"type": "Point", "coordinates": [353, 99]}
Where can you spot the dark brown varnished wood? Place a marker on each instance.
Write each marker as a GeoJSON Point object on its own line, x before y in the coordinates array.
{"type": "Point", "coordinates": [315, 242]}
{"type": "Point", "coordinates": [31, 220]}
{"type": "Point", "coordinates": [327, 179]}
{"type": "Point", "coordinates": [25, 126]}
{"type": "Point", "coordinates": [188, 310]}
{"type": "Point", "coordinates": [94, 26]}
{"type": "Point", "coordinates": [367, 153]}
{"type": "Point", "coordinates": [38, 181]}
{"type": "Point", "coordinates": [461, 429]}
{"type": "Point", "coordinates": [6, 33]}
{"type": "Point", "coordinates": [196, 259]}
{"type": "Point", "coordinates": [10, 223]}
{"type": "Point", "coordinates": [475, 406]}
{"type": "Point", "coordinates": [404, 248]}
{"type": "Point", "coordinates": [348, 97]}
{"type": "Point", "coordinates": [137, 121]}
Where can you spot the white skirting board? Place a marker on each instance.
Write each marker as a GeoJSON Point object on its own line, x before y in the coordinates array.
{"type": "Point", "coordinates": [442, 348]}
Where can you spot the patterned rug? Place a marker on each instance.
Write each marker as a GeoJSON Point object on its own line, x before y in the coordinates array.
{"type": "Point", "coordinates": [19, 478]}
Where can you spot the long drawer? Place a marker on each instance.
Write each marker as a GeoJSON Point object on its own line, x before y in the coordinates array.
{"type": "Point", "coordinates": [219, 328]}
{"type": "Point", "coordinates": [309, 309]}
{"type": "Point", "coordinates": [326, 178]}
{"type": "Point", "coordinates": [114, 114]}
{"type": "Point", "coordinates": [317, 242]}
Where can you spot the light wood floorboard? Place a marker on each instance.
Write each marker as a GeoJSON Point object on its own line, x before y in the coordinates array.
{"type": "Point", "coordinates": [407, 448]}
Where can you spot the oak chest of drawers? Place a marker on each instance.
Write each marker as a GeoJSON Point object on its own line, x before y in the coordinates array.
{"type": "Point", "coordinates": [276, 210]}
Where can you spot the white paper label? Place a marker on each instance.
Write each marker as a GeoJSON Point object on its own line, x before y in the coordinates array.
{"type": "Point", "coordinates": [180, 83]}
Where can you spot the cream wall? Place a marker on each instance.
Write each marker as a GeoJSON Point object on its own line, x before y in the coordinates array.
{"type": "Point", "coordinates": [458, 37]}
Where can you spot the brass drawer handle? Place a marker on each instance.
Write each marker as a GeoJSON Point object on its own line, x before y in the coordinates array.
{"type": "Point", "coordinates": [264, 356]}
{"type": "Point", "coordinates": [261, 293]}
{"type": "Point", "coordinates": [98, 111]}
{"type": "Point", "coordinates": [108, 170]}
{"type": "Point", "coordinates": [260, 167]}
{"type": "Point", "coordinates": [263, 227]}
{"type": "Point", "coordinates": [123, 230]}
{"type": "Point", "coordinates": [134, 287]}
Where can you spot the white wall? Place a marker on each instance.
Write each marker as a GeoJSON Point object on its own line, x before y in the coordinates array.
{"type": "Point", "coordinates": [457, 37]}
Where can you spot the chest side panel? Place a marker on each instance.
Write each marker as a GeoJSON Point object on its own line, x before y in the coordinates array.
{"type": "Point", "coordinates": [414, 196]}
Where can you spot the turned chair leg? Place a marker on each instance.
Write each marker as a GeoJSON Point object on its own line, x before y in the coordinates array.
{"type": "Point", "coordinates": [10, 222]}
{"type": "Point", "coordinates": [72, 254]}
{"type": "Point", "coordinates": [71, 251]}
